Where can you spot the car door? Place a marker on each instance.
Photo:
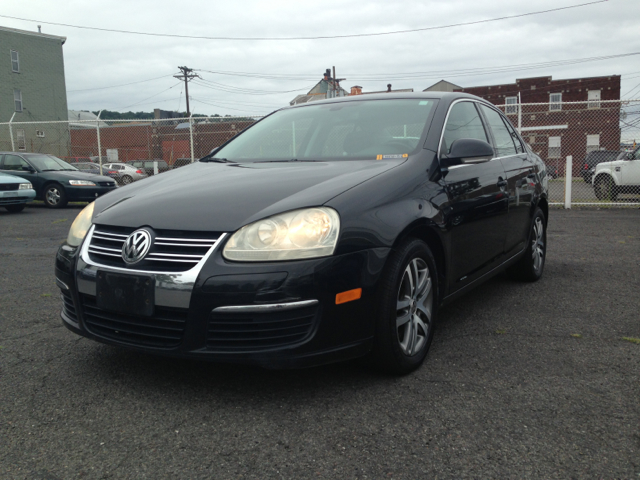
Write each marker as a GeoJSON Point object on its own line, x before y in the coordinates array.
{"type": "Point", "coordinates": [520, 177]}
{"type": "Point", "coordinates": [630, 170]}
{"type": "Point", "coordinates": [476, 215]}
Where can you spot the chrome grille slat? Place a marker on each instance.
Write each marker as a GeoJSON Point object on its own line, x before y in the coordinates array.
{"type": "Point", "coordinates": [168, 253]}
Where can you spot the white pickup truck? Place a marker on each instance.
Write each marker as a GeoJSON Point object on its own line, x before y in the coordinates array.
{"type": "Point", "coordinates": [619, 177]}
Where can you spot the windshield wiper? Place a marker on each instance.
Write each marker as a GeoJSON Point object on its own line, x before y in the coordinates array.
{"type": "Point", "coordinates": [285, 161]}
{"type": "Point", "coordinates": [216, 160]}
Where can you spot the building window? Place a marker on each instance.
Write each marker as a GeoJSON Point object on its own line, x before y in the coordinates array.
{"type": "Point", "coordinates": [554, 147]}
{"type": "Point", "coordinates": [511, 107]}
{"type": "Point", "coordinates": [15, 62]}
{"type": "Point", "coordinates": [22, 142]}
{"type": "Point", "coordinates": [593, 143]}
{"type": "Point", "coordinates": [594, 99]}
{"type": "Point", "coordinates": [17, 99]}
{"type": "Point", "coordinates": [555, 101]}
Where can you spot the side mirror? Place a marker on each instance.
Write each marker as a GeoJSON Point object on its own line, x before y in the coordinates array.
{"type": "Point", "coordinates": [28, 168]}
{"type": "Point", "coordinates": [466, 151]}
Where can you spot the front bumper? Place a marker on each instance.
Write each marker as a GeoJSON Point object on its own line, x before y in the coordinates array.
{"type": "Point", "coordinates": [16, 197]}
{"type": "Point", "coordinates": [277, 315]}
{"type": "Point", "coordinates": [86, 194]}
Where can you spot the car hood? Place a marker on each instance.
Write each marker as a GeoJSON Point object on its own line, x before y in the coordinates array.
{"type": "Point", "coordinates": [74, 175]}
{"type": "Point", "coordinates": [4, 178]}
{"type": "Point", "coordinates": [224, 197]}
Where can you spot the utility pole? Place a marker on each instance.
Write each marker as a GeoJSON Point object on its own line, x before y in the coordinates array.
{"type": "Point", "coordinates": [186, 76]}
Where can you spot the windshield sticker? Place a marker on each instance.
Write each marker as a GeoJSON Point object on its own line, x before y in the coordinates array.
{"type": "Point", "coordinates": [386, 157]}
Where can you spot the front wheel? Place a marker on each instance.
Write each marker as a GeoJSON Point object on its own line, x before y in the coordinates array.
{"type": "Point", "coordinates": [126, 180]}
{"type": "Point", "coordinates": [605, 188]}
{"type": "Point", "coordinates": [529, 268]}
{"type": "Point", "coordinates": [55, 196]}
{"type": "Point", "coordinates": [15, 208]}
{"type": "Point", "coordinates": [407, 307]}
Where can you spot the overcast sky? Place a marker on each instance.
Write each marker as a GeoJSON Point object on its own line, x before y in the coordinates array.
{"type": "Point", "coordinates": [96, 59]}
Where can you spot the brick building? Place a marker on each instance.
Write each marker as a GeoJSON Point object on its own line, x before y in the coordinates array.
{"type": "Point", "coordinates": [561, 117]}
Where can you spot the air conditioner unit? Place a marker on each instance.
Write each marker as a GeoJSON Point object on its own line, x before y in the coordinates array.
{"type": "Point", "coordinates": [39, 133]}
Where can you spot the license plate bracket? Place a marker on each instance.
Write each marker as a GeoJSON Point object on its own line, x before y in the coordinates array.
{"type": "Point", "coordinates": [124, 293]}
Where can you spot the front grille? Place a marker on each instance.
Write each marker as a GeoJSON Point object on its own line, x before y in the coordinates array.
{"type": "Point", "coordinates": [107, 184]}
{"type": "Point", "coordinates": [172, 251]}
{"type": "Point", "coordinates": [164, 330]}
{"type": "Point", "coordinates": [4, 187]}
{"type": "Point", "coordinates": [67, 305]}
{"type": "Point", "coordinates": [259, 331]}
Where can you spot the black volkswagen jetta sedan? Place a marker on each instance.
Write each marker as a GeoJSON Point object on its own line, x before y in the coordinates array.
{"type": "Point", "coordinates": [323, 232]}
{"type": "Point", "coordinates": [55, 181]}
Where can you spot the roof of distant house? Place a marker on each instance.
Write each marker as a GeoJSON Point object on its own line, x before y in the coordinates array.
{"type": "Point", "coordinates": [36, 34]}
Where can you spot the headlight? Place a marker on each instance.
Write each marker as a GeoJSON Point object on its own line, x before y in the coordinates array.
{"type": "Point", "coordinates": [25, 186]}
{"type": "Point", "coordinates": [308, 233]}
{"type": "Point", "coordinates": [82, 183]}
{"type": "Point", "coordinates": [80, 226]}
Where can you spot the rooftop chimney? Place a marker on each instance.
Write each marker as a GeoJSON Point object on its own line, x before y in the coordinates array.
{"type": "Point", "coordinates": [356, 90]}
{"type": "Point", "coordinates": [327, 74]}
{"type": "Point", "coordinates": [39, 30]}
{"type": "Point", "coordinates": [388, 87]}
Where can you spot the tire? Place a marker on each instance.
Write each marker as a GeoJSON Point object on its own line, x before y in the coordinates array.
{"type": "Point", "coordinates": [531, 266]}
{"type": "Point", "coordinates": [406, 310]}
{"type": "Point", "coordinates": [605, 188]}
{"type": "Point", "coordinates": [126, 180]}
{"type": "Point", "coordinates": [15, 208]}
{"type": "Point", "coordinates": [54, 196]}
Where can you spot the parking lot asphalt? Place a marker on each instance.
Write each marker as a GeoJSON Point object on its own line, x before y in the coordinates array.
{"type": "Point", "coordinates": [522, 381]}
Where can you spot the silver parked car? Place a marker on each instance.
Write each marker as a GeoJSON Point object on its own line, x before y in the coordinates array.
{"type": "Point", "coordinates": [127, 173]}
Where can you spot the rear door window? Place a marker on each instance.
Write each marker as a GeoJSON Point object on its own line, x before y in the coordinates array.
{"type": "Point", "coordinates": [505, 145]}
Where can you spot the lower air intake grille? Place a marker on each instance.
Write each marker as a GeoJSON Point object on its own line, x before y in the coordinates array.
{"type": "Point", "coordinates": [67, 306]}
{"type": "Point", "coordinates": [164, 330]}
{"type": "Point", "coordinates": [259, 331]}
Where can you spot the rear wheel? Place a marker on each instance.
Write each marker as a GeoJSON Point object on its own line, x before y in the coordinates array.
{"type": "Point", "coordinates": [407, 309]}
{"type": "Point", "coordinates": [15, 208]}
{"type": "Point", "coordinates": [126, 180]}
{"type": "Point", "coordinates": [530, 267]}
{"type": "Point", "coordinates": [605, 188]}
{"type": "Point", "coordinates": [55, 196]}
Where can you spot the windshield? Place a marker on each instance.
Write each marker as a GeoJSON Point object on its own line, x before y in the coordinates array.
{"type": "Point", "coordinates": [49, 162]}
{"type": "Point", "coordinates": [372, 129]}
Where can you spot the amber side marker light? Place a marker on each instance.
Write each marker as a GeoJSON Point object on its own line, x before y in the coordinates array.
{"type": "Point", "coordinates": [348, 296]}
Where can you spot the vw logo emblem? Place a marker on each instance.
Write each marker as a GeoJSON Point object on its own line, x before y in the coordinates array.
{"type": "Point", "coordinates": [136, 246]}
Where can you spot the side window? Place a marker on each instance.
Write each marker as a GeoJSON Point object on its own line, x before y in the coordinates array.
{"type": "Point", "coordinates": [514, 135]}
{"type": "Point", "coordinates": [502, 136]}
{"type": "Point", "coordinates": [13, 162]}
{"type": "Point", "coordinates": [463, 122]}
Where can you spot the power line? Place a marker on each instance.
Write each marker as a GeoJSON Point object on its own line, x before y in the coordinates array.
{"type": "Point", "coordinates": [137, 103]}
{"type": "Point", "coordinates": [327, 37]}
{"type": "Point", "coordinates": [116, 86]}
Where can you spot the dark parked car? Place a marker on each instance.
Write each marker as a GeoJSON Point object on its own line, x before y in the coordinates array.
{"type": "Point", "coordinates": [594, 158]}
{"type": "Point", "coordinates": [55, 181]}
{"type": "Point", "coordinates": [149, 166]}
{"type": "Point", "coordinates": [15, 192]}
{"type": "Point", "coordinates": [90, 167]}
{"type": "Point", "coordinates": [323, 232]}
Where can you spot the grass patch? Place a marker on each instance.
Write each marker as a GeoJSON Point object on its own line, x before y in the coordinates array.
{"type": "Point", "coordinates": [501, 332]}
{"type": "Point", "coordinates": [45, 295]}
{"type": "Point", "coordinates": [60, 220]}
{"type": "Point", "coordinates": [632, 340]}
{"type": "Point", "coordinates": [576, 335]}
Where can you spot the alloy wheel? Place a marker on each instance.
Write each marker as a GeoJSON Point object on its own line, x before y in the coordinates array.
{"type": "Point", "coordinates": [53, 196]}
{"type": "Point", "coordinates": [537, 244]}
{"type": "Point", "coordinates": [414, 307]}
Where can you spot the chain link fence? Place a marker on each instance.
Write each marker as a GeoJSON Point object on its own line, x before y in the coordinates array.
{"type": "Point", "coordinates": [589, 148]}
{"type": "Point", "coordinates": [597, 139]}
{"type": "Point", "coordinates": [166, 143]}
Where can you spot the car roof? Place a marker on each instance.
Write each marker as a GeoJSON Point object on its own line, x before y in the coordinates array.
{"type": "Point", "coordinates": [446, 96]}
